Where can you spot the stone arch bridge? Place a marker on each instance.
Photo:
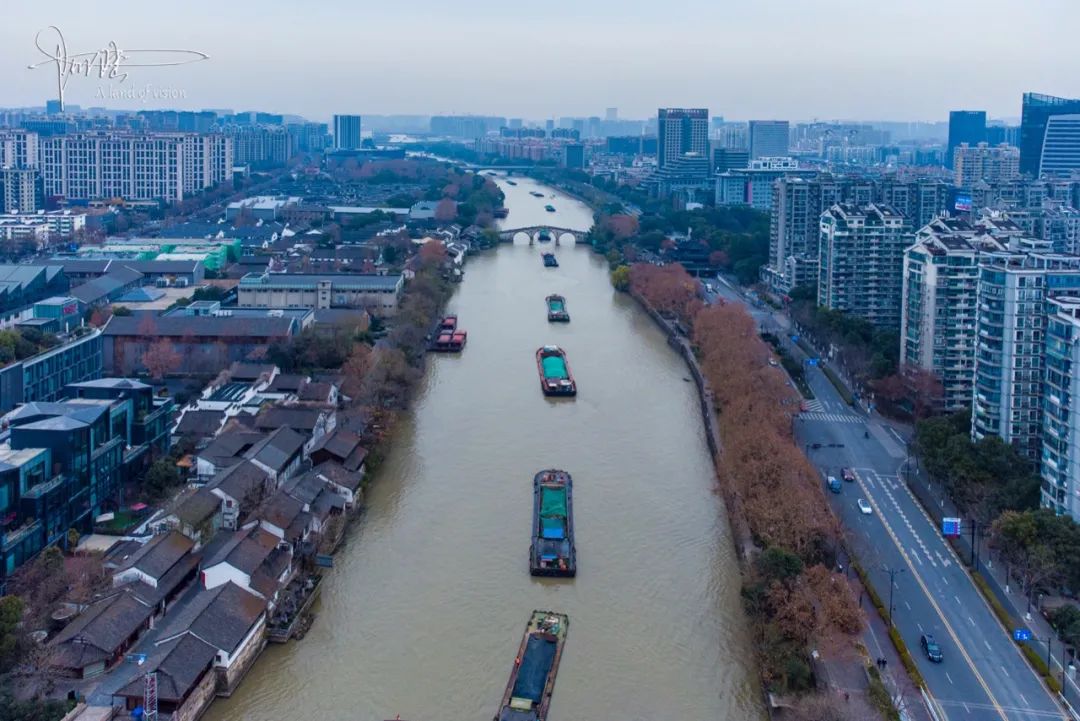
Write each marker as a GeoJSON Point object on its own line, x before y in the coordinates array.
{"type": "Point", "coordinates": [507, 236]}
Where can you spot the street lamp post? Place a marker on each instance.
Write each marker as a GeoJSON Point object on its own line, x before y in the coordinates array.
{"type": "Point", "coordinates": [892, 584]}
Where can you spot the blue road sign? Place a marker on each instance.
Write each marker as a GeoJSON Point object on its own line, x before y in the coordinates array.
{"type": "Point", "coordinates": [811, 361]}
{"type": "Point", "coordinates": [1021, 634]}
{"type": "Point", "coordinates": [950, 526]}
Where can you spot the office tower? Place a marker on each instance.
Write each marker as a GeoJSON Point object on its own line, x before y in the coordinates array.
{"type": "Point", "coordinates": [1012, 311]}
{"type": "Point", "coordinates": [1037, 112]}
{"type": "Point", "coordinates": [573, 156]}
{"type": "Point", "coordinates": [54, 107]}
{"type": "Point", "coordinates": [861, 260]}
{"type": "Point", "coordinates": [549, 125]}
{"type": "Point", "coordinates": [346, 132]}
{"type": "Point", "coordinates": [941, 273]}
{"type": "Point", "coordinates": [611, 114]}
{"type": "Point", "coordinates": [1061, 145]}
{"type": "Point", "coordinates": [1060, 457]}
{"type": "Point", "coordinates": [998, 134]}
{"type": "Point", "coordinates": [724, 159]}
{"type": "Point", "coordinates": [997, 164]}
{"type": "Point", "coordinates": [769, 138]}
{"type": "Point", "coordinates": [87, 166]}
{"type": "Point", "coordinates": [19, 190]}
{"type": "Point", "coordinates": [753, 185]}
{"type": "Point", "coordinates": [681, 131]}
{"type": "Point", "coordinates": [965, 126]}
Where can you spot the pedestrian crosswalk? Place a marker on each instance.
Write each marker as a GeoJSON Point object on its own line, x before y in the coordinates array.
{"type": "Point", "coordinates": [834, 417]}
{"type": "Point", "coordinates": [814, 406]}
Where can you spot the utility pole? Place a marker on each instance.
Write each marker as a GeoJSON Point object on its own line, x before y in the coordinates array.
{"type": "Point", "coordinates": [892, 584]}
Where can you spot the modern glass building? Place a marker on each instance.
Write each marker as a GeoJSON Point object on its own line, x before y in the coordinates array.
{"type": "Point", "coordinates": [1036, 114]}
{"type": "Point", "coordinates": [965, 126]}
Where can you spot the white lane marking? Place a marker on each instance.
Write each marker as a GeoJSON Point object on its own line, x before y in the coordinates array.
{"type": "Point", "coordinates": [1005, 670]}
{"type": "Point", "coordinates": [1023, 699]}
{"type": "Point", "coordinates": [915, 553]}
{"type": "Point", "coordinates": [957, 599]}
{"type": "Point", "coordinates": [920, 626]}
{"type": "Point", "coordinates": [908, 605]}
{"type": "Point", "coordinates": [949, 677]}
{"type": "Point", "coordinates": [971, 619]}
{"type": "Point", "coordinates": [987, 645]}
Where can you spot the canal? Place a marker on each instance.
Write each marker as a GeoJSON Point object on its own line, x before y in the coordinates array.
{"type": "Point", "coordinates": [424, 611]}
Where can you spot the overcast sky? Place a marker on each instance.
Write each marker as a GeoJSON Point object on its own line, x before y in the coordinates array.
{"type": "Point", "coordinates": [794, 59]}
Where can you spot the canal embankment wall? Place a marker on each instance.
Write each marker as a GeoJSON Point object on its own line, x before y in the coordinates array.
{"type": "Point", "coordinates": [740, 531]}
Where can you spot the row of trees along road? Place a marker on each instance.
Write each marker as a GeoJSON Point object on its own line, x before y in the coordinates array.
{"type": "Point", "coordinates": [774, 495]}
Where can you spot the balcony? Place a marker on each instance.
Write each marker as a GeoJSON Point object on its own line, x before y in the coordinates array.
{"type": "Point", "coordinates": [10, 539]}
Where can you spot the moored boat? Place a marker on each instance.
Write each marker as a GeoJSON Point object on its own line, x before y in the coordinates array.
{"type": "Point", "coordinates": [552, 552]}
{"type": "Point", "coordinates": [544, 236]}
{"type": "Point", "coordinates": [536, 194]}
{"type": "Point", "coordinates": [450, 341]}
{"type": "Point", "coordinates": [557, 312]}
{"type": "Point", "coordinates": [448, 323]}
{"type": "Point", "coordinates": [510, 182]}
{"type": "Point", "coordinates": [532, 681]}
{"type": "Point", "coordinates": [549, 260]}
{"type": "Point", "coordinates": [556, 379]}
{"type": "Point", "coordinates": [549, 208]}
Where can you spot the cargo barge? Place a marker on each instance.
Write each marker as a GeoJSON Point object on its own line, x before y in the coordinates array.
{"type": "Point", "coordinates": [556, 379]}
{"type": "Point", "coordinates": [557, 312]}
{"type": "Point", "coordinates": [552, 552]}
{"type": "Point", "coordinates": [550, 261]}
{"type": "Point", "coordinates": [532, 681]}
{"type": "Point", "coordinates": [448, 338]}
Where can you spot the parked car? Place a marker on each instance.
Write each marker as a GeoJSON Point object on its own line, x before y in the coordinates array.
{"type": "Point", "coordinates": [931, 648]}
{"type": "Point", "coordinates": [865, 507]}
{"type": "Point", "coordinates": [773, 362]}
{"type": "Point", "coordinates": [847, 474]}
{"type": "Point", "coordinates": [833, 484]}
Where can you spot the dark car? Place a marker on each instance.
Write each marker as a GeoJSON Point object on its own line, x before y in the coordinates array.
{"type": "Point", "coordinates": [847, 474]}
{"type": "Point", "coordinates": [930, 648]}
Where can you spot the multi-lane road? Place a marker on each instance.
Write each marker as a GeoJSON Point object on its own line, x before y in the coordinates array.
{"type": "Point", "coordinates": [983, 674]}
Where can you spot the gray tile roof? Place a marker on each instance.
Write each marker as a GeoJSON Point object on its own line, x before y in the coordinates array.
{"type": "Point", "coordinates": [243, 481]}
{"type": "Point", "coordinates": [99, 631]}
{"type": "Point", "coordinates": [249, 371]}
{"type": "Point", "coordinates": [159, 554]}
{"type": "Point", "coordinates": [204, 326]}
{"type": "Point", "coordinates": [282, 446]}
{"type": "Point", "coordinates": [221, 617]}
{"type": "Point", "coordinates": [180, 664]}
{"type": "Point", "coordinates": [244, 550]}
{"type": "Point", "coordinates": [200, 424]}
{"type": "Point", "coordinates": [299, 418]}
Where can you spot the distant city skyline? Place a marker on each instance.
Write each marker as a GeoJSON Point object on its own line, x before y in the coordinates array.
{"type": "Point", "coordinates": [835, 59]}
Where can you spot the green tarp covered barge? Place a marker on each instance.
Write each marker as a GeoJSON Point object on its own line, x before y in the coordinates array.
{"type": "Point", "coordinates": [555, 376]}
{"type": "Point", "coordinates": [552, 552]}
{"type": "Point", "coordinates": [557, 312]}
{"type": "Point", "coordinates": [532, 681]}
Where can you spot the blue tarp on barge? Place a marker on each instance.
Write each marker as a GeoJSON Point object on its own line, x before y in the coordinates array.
{"type": "Point", "coordinates": [535, 667]}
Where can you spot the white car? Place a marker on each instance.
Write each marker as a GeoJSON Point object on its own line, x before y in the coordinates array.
{"type": "Point", "coordinates": [864, 506]}
{"type": "Point", "coordinates": [773, 363]}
